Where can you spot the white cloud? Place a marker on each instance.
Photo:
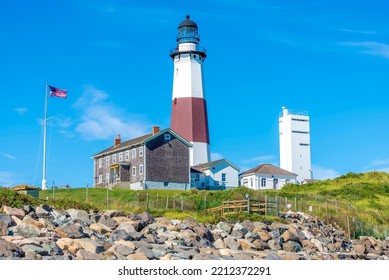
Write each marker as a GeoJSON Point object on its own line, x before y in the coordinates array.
{"type": "Point", "coordinates": [8, 156]}
{"type": "Point", "coordinates": [370, 48]}
{"type": "Point", "coordinates": [378, 165]}
{"type": "Point", "coordinates": [7, 179]}
{"type": "Point", "coordinates": [261, 159]}
{"type": "Point", "coordinates": [357, 31]}
{"type": "Point", "coordinates": [216, 156]}
{"type": "Point", "coordinates": [21, 111]}
{"type": "Point", "coordinates": [322, 173]}
{"type": "Point", "coordinates": [101, 119]}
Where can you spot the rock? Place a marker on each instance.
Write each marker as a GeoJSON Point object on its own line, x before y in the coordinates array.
{"type": "Point", "coordinates": [120, 234]}
{"type": "Point", "coordinates": [319, 245]}
{"type": "Point", "coordinates": [74, 231]}
{"type": "Point", "coordinates": [204, 233]}
{"type": "Point", "coordinates": [35, 250]}
{"type": "Point", "coordinates": [292, 246]}
{"type": "Point", "coordinates": [68, 244]}
{"type": "Point", "coordinates": [35, 223]}
{"type": "Point", "coordinates": [360, 249]}
{"type": "Point", "coordinates": [83, 254]}
{"type": "Point", "coordinates": [248, 225]}
{"type": "Point", "coordinates": [232, 244]}
{"type": "Point", "coordinates": [8, 249]}
{"type": "Point", "coordinates": [146, 217]}
{"type": "Point", "coordinates": [190, 222]}
{"type": "Point", "coordinates": [274, 244]}
{"type": "Point", "coordinates": [273, 256]}
{"type": "Point", "coordinates": [288, 236]}
{"type": "Point", "coordinates": [109, 222]}
{"type": "Point", "coordinates": [26, 230]}
{"type": "Point", "coordinates": [224, 227]}
{"type": "Point", "coordinates": [263, 235]}
{"type": "Point", "coordinates": [260, 245]}
{"type": "Point", "coordinates": [245, 244]}
{"type": "Point", "coordinates": [137, 256]}
{"type": "Point", "coordinates": [121, 249]}
{"type": "Point", "coordinates": [219, 244]}
{"type": "Point", "coordinates": [19, 213]}
{"type": "Point", "coordinates": [100, 228]}
{"type": "Point", "coordinates": [80, 215]}
{"type": "Point", "coordinates": [115, 213]}
{"type": "Point", "coordinates": [90, 245]}
{"type": "Point", "coordinates": [5, 222]}
{"type": "Point", "coordinates": [28, 209]}
{"type": "Point", "coordinates": [42, 211]}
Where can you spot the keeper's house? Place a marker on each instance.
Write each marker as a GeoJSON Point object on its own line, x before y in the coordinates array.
{"type": "Point", "coordinates": [159, 160]}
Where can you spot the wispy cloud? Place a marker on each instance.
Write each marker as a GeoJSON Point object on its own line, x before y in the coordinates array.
{"type": "Point", "coordinates": [323, 173]}
{"type": "Point", "coordinates": [8, 156]}
{"type": "Point", "coordinates": [101, 119]}
{"type": "Point", "coordinates": [364, 32]}
{"type": "Point", "coordinates": [378, 165]}
{"type": "Point", "coordinates": [216, 156]}
{"type": "Point", "coordinates": [7, 179]}
{"type": "Point", "coordinates": [261, 159]}
{"type": "Point", "coordinates": [370, 48]}
{"type": "Point", "coordinates": [21, 111]}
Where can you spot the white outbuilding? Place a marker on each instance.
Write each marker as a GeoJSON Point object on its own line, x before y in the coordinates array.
{"type": "Point", "coordinates": [267, 177]}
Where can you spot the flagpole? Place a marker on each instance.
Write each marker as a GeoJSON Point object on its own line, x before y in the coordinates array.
{"type": "Point", "coordinates": [44, 186]}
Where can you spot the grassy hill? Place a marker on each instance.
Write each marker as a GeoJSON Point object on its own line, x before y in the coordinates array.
{"type": "Point", "coordinates": [359, 202]}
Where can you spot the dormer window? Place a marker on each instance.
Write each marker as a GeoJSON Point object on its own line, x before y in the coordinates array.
{"type": "Point", "coordinates": [167, 137]}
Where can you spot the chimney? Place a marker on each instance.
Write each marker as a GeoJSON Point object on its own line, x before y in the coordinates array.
{"type": "Point", "coordinates": [155, 129]}
{"type": "Point", "coordinates": [117, 141]}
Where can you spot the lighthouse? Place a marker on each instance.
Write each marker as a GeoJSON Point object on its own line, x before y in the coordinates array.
{"type": "Point", "coordinates": [189, 109]}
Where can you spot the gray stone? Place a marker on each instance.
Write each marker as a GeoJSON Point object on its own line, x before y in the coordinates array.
{"type": "Point", "coordinates": [108, 221]}
{"type": "Point", "coordinates": [204, 233]}
{"type": "Point", "coordinates": [28, 209]}
{"type": "Point", "coordinates": [93, 246]}
{"type": "Point", "coordinates": [74, 231]}
{"type": "Point", "coordinates": [115, 213]}
{"type": "Point", "coordinates": [274, 244]}
{"type": "Point", "coordinates": [26, 230]}
{"type": "Point", "coordinates": [35, 250]}
{"type": "Point", "coordinates": [120, 234]}
{"type": "Point", "coordinates": [80, 215]}
{"type": "Point", "coordinates": [42, 211]}
{"type": "Point", "coordinates": [19, 213]}
{"type": "Point", "coordinates": [190, 222]}
{"type": "Point", "coordinates": [232, 244]}
{"type": "Point", "coordinates": [5, 222]}
{"type": "Point", "coordinates": [121, 249]}
{"type": "Point", "coordinates": [8, 249]}
{"type": "Point", "coordinates": [204, 256]}
{"type": "Point", "coordinates": [273, 256]}
{"type": "Point", "coordinates": [146, 217]}
{"type": "Point", "coordinates": [83, 254]}
{"type": "Point", "coordinates": [219, 244]}
{"type": "Point", "coordinates": [292, 246]}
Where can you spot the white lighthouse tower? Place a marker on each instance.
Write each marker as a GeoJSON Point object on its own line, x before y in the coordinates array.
{"type": "Point", "coordinates": [189, 109]}
{"type": "Point", "coordinates": [295, 144]}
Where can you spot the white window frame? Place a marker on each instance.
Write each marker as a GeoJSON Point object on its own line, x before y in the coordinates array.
{"type": "Point", "coordinates": [107, 160]}
{"type": "Point", "coordinates": [133, 153]}
{"type": "Point", "coordinates": [120, 156]}
{"type": "Point", "coordinates": [225, 177]}
{"type": "Point", "coordinates": [141, 169]}
{"type": "Point", "coordinates": [100, 162]}
{"type": "Point", "coordinates": [167, 136]}
{"type": "Point", "coordinates": [127, 155]}
{"type": "Point", "coordinates": [100, 179]}
{"type": "Point", "coordinates": [134, 171]}
{"type": "Point", "coordinates": [141, 151]}
{"type": "Point", "coordinates": [114, 158]}
{"type": "Point", "coordinates": [263, 182]}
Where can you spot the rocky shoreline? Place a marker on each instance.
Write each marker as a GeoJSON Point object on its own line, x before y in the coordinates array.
{"type": "Point", "coordinates": [46, 233]}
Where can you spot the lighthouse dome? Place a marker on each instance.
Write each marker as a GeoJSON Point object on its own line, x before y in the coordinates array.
{"type": "Point", "coordinates": [187, 23]}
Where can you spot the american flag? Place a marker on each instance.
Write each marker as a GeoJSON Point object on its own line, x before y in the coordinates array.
{"type": "Point", "coordinates": [57, 92]}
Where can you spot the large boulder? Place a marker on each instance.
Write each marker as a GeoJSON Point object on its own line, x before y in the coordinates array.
{"type": "Point", "coordinates": [19, 213]}
{"type": "Point", "coordinates": [8, 249]}
{"type": "Point", "coordinates": [5, 222]}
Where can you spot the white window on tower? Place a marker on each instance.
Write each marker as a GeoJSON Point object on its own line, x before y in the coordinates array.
{"type": "Point", "coordinates": [120, 157]}
{"type": "Point", "coordinates": [127, 155]}
{"type": "Point", "coordinates": [100, 162]}
{"type": "Point", "coordinates": [134, 153]}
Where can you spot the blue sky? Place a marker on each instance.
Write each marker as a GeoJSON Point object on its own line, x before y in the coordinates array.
{"type": "Point", "coordinates": [327, 57]}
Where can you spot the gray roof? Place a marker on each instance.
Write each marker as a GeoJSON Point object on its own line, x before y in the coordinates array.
{"type": "Point", "coordinates": [139, 141]}
{"type": "Point", "coordinates": [268, 169]}
{"type": "Point", "coordinates": [187, 23]}
{"type": "Point", "coordinates": [204, 166]}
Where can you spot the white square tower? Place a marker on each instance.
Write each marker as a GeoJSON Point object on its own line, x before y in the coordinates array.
{"type": "Point", "coordinates": [295, 144]}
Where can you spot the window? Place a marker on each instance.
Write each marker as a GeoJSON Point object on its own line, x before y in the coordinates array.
{"type": "Point", "coordinates": [251, 182]}
{"type": "Point", "coordinates": [245, 182]}
{"type": "Point", "coordinates": [303, 144]}
{"type": "Point", "coordinates": [107, 178]}
{"type": "Point", "coordinates": [141, 151]}
{"type": "Point", "coordinates": [134, 153]}
{"type": "Point", "coordinates": [275, 182]}
{"type": "Point", "coordinates": [114, 158]}
{"type": "Point", "coordinates": [127, 155]}
{"type": "Point", "coordinates": [167, 137]}
{"type": "Point", "coordinates": [120, 157]}
{"type": "Point", "coordinates": [100, 179]}
{"type": "Point", "coordinates": [299, 120]}
{"type": "Point", "coordinates": [224, 177]}
{"type": "Point", "coordinates": [141, 169]}
{"type": "Point", "coordinates": [107, 160]}
{"type": "Point", "coordinates": [263, 182]}
{"type": "Point", "coordinates": [133, 170]}
{"type": "Point", "coordinates": [100, 162]}
{"type": "Point", "coordinates": [287, 181]}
